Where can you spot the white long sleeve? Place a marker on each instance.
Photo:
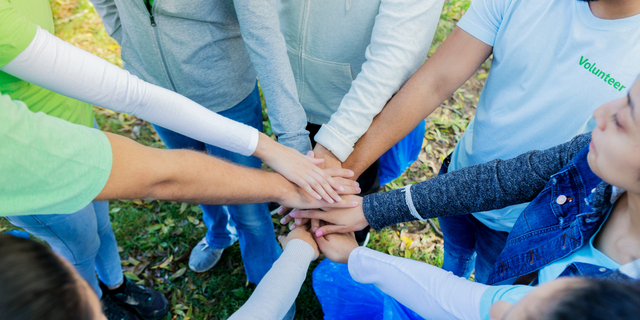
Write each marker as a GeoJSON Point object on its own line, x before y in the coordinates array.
{"type": "Point", "coordinates": [60, 67]}
{"type": "Point", "coordinates": [428, 290]}
{"type": "Point", "coordinates": [279, 288]}
{"type": "Point", "coordinates": [400, 41]}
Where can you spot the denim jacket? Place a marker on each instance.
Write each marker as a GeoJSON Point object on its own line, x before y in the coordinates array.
{"type": "Point", "coordinates": [558, 222]}
{"type": "Point", "coordinates": [568, 205]}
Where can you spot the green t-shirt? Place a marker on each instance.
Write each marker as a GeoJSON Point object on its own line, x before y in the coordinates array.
{"type": "Point", "coordinates": [17, 29]}
{"type": "Point", "coordinates": [48, 165]}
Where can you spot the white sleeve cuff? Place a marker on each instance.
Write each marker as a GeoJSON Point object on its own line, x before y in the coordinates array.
{"type": "Point", "coordinates": [335, 142]}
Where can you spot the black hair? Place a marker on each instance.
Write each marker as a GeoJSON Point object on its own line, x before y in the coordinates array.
{"type": "Point", "coordinates": [35, 284]}
{"type": "Point", "coordinates": [597, 299]}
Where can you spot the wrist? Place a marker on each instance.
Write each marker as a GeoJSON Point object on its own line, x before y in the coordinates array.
{"type": "Point", "coordinates": [282, 189]}
{"type": "Point", "coordinates": [264, 145]}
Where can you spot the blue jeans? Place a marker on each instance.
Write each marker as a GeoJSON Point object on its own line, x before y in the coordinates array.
{"type": "Point", "coordinates": [252, 222]}
{"type": "Point", "coordinates": [84, 238]}
{"type": "Point", "coordinates": [469, 244]}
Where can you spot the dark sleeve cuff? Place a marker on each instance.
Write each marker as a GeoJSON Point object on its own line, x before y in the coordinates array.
{"type": "Point", "coordinates": [386, 209]}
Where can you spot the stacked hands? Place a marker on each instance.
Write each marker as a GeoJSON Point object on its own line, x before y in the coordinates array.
{"type": "Point", "coordinates": [337, 247]}
{"type": "Point", "coordinates": [328, 223]}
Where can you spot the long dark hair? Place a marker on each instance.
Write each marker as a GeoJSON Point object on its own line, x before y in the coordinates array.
{"type": "Point", "coordinates": [35, 284]}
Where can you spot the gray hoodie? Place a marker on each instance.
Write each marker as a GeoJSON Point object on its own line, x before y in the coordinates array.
{"type": "Point", "coordinates": [210, 51]}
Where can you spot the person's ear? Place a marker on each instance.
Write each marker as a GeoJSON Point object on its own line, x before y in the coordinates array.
{"type": "Point", "coordinates": [499, 310]}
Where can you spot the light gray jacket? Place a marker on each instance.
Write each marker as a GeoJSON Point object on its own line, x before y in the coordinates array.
{"type": "Point", "coordinates": [350, 56]}
{"type": "Point", "coordinates": [210, 51]}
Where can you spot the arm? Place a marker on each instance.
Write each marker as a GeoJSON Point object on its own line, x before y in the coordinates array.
{"type": "Point", "coordinates": [428, 290]}
{"type": "Point", "coordinates": [431, 292]}
{"type": "Point", "coordinates": [268, 52]}
{"type": "Point", "coordinates": [143, 172]}
{"type": "Point", "coordinates": [110, 19]}
{"type": "Point", "coordinates": [279, 288]}
{"type": "Point", "coordinates": [400, 41]}
{"type": "Point", "coordinates": [450, 66]}
{"type": "Point", "coordinates": [60, 67]}
{"type": "Point", "coordinates": [492, 185]}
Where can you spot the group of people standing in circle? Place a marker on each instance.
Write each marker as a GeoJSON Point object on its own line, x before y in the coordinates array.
{"type": "Point", "coordinates": [551, 234]}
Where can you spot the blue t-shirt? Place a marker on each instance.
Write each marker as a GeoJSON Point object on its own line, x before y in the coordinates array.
{"type": "Point", "coordinates": [554, 63]}
{"type": "Point", "coordinates": [493, 294]}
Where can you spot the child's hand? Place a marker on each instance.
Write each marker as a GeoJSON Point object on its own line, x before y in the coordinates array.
{"type": "Point", "coordinates": [301, 170]}
{"type": "Point", "coordinates": [303, 234]}
{"type": "Point", "coordinates": [337, 247]}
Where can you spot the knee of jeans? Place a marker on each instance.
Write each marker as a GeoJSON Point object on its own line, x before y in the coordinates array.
{"type": "Point", "coordinates": [462, 256]}
{"type": "Point", "coordinates": [77, 251]}
{"type": "Point", "coordinates": [460, 251]}
{"type": "Point", "coordinates": [255, 224]}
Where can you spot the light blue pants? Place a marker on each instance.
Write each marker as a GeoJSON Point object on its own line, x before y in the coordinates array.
{"type": "Point", "coordinates": [84, 238]}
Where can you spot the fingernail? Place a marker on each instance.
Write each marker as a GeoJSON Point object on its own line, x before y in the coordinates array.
{"type": "Point", "coordinates": [282, 221]}
{"type": "Point", "coordinates": [350, 172]}
{"type": "Point", "coordinates": [339, 199]}
{"type": "Point", "coordinates": [293, 213]}
{"type": "Point", "coordinates": [318, 197]}
{"type": "Point", "coordinates": [355, 203]}
{"type": "Point", "coordinates": [340, 188]}
{"type": "Point", "coordinates": [319, 234]}
{"type": "Point", "coordinates": [330, 200]}
{"type": "Point", "coordinates": [298, 221]}
{"type": "Point", "coordinates": [314, 229]}
{"type": "Point", "coordinates": [357, 184]}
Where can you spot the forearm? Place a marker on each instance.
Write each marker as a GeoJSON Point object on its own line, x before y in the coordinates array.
{"type": "Point", "coordinates": [280, 286]}
{"type": "Point", "coordinates": [267, 50]}
{"type": "Point", "coordinates": [188, 176]}
{"type": "Point", "coordinates": [60, 67]}
{"type": "Point", "coordinates": [400, 40]}
{"type": "Point", "coordinates": [492, 185]}
{"type": "Point", "coordinates": [428, 290]}
{"type": "Point", "coordinates": [449, 67]}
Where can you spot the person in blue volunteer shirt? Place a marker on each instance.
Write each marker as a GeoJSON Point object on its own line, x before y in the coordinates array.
{"type": "Point", "coordinates": [554, 62]}
{"type": "Point", "coordinates": [583, 221]}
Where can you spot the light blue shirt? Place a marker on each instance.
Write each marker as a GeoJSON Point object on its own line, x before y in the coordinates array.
{"type": "Point", "coordinates": [553, 64]}
{"type": "Point", "coordinates": [493, 294]}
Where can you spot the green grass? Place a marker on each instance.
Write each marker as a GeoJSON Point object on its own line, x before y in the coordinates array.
{"type": "Point", "coordinates": [155, 237]}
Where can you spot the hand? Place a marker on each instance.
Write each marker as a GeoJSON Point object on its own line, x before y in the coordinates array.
{"type": "Point", "coordinates": [302, 234]}
{"type": "Point", "coordinates": [330, 160]}
{"type": "Point", "coordinates": [294, 197]}
{"type": "Point", "coordinates": [337, 247]}
{"type": "Point", "coordinates": [339, 220]}
{"type": "Point", "coordinates": [350, 187]}
{"type": "Point", "coordinates": [300, 169]}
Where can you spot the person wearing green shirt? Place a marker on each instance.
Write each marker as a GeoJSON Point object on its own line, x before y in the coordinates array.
{"type": "Point", "coordinates": [85, 238]}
